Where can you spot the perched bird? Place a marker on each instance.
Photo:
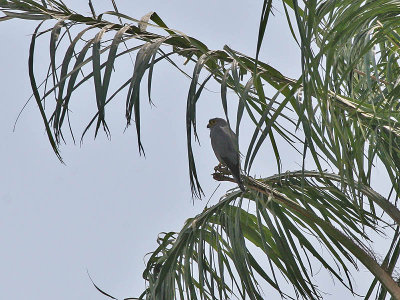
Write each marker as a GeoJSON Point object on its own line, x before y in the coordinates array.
{"type": "Point", "coordinates": [225, 146]}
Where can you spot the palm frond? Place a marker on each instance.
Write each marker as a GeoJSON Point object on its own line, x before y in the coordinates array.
{"type": "Point", "coordinates": [282, 213]}
{"type": "Point", "coordinates": [342, 110]}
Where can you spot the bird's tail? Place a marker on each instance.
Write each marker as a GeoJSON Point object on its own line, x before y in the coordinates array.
{"type": "Point", "coordinates": [240, 183]}
{"type": "Point", "coordinates": [241, 186]}
{"type": "Point", "coordinates": [235, 171]}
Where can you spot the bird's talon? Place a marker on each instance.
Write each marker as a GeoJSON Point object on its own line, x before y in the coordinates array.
{"type": "Point", "coordinates": [222, 169]}
{"type": "Point", "coordinates": [218, 167]}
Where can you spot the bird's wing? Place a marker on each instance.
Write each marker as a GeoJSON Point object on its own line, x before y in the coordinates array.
{"type": "Point", "coordinates": [224, 144]}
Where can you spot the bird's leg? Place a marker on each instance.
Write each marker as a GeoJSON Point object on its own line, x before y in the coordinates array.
{"type": "Point", "coordinates": [222, 169]}
{"type": "Point", "coordinates": [217, 168]}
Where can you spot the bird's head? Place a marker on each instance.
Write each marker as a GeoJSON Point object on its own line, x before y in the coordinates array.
{"type": "Point", "coordinates": [216, 122]}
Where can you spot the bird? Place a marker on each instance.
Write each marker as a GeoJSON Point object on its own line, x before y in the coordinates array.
{"type": "Point", "coordinates": [225, 146]}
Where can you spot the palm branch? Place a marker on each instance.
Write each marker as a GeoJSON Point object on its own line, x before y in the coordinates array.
{"type": "Point", "coordinates": [342, 111]}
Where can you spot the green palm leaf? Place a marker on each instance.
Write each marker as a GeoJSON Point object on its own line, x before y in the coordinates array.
{"type": "Point", "coordinates": [280, 210]}
{"type": "Point", "coordinates": [342, 111]}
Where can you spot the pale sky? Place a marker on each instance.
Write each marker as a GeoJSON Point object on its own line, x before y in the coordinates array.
{"type": "Point", "coordinates": [102, 211]}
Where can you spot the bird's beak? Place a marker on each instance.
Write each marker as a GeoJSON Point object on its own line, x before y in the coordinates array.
{"type": "Point", "coordinates": [208, 125]}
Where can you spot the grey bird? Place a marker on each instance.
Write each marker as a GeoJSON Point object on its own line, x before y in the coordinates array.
{"type": "Point", "coordinates": [225, 146]}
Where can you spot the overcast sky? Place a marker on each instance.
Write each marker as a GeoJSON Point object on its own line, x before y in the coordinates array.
{"type": "Point", "coordinates": [102, 211]}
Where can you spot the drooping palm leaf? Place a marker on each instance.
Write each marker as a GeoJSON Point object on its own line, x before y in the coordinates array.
{"type": "Point", "coordinates": [342, 110]}
{"type": "Point", "coordinates": [277, 215]}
